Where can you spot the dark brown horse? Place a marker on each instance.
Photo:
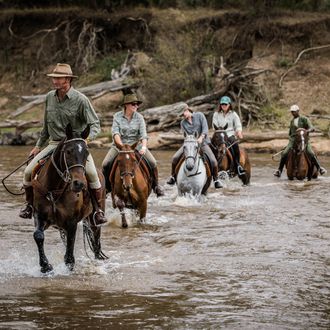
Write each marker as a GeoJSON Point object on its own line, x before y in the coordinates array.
{"type": "Point", "coordinates": [61, 197]}
{"type": "Point", "coordinates": [131, 182]}
{"type": "Point", "coordinates": [298, 164]}
{"type": "Point", "coordinates": [220, 147]}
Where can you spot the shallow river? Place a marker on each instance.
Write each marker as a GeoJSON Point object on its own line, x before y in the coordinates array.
{"type": "Point", "coordinates": [254, 257]}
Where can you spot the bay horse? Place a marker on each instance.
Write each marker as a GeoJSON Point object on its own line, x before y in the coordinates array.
{"type": "Point", "coordinates": [130, 181]}
{"type": "Point", "coordinates": [220, 147]}
{"type": "Point", "coordinates": [298, 164]}
{"type": "Point", "coordinates": [193, 175]}
{"type": "Point", "coordinates": [61, 197]}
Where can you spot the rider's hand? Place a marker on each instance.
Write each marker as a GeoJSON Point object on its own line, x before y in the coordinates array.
{"type": "Point", "coordinates": [34, 151]}
{"type": "Point", "coordinates": [142, 151]}
{"type": "Point", "coordinates": [239, 135]}
{"type": "Point", "coordinates": [200, 139]}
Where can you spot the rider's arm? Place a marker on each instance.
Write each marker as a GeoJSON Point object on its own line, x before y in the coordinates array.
{"type": "Point", "coordinates": [118, 140]}
{"type": "Point", "coordinates": [237, 125]}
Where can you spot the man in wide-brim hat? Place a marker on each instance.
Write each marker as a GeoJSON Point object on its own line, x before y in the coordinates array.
{"type": "Point", "coordinates": [65, 105]}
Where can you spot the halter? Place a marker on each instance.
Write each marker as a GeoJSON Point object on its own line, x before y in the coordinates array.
{"type": "Point", "coordinates": [65, 175]}
{"type": "Point", "coordinates": [189, 140]}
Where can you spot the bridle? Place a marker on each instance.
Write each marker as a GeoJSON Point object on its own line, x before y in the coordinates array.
{"type": "Point", "coordinates": [128, 173]}
{"type": "Point", "coordinates": [66, 175]}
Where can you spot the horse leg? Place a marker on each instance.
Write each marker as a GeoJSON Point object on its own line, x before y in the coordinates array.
{"type": "Point", "coordinates": [71, 237]}
{"type": "Point", "coordinates": [39, 238]}
{"type": "Point", "coordinates": [121, 205]}
{"type": "Point", "coordinates": [96, 243]}
{"type": "Point", "coordinates": [143, 210]}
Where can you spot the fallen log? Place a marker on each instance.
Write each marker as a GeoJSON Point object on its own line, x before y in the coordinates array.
{"type": "Point", "coordinates": [95, 91]}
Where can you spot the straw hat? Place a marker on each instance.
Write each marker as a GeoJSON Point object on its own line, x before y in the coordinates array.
{"type": "Point", "coordinates": [131, 98]}
{"type": "Point", "coordinates": [62, 70]}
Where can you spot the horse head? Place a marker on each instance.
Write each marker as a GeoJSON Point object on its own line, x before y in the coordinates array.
{"type": "Point", "coordinates": [300, 140]}
{"type": "Point", "coordinates": [127, 163]}
{"type": "Point", "coordinates": [219, 140]}
{"type": "Point", "coordinates": [70, 156]}
{"type": "Point", "coordinates": [190, 150]}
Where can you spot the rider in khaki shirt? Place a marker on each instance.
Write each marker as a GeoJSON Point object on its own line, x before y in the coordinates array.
{"type": "Point", "coordinates": [64, 105]}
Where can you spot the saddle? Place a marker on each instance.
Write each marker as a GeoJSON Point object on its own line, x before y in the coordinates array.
{"type": "Point", "coordinates": [206, 163]}
{"type": "Point", "coordinates": [144, 166]}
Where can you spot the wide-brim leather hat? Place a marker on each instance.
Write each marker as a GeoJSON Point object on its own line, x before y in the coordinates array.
{"type": "Point", "coordinates": [131, 98]}
{"type": "Point", "coordinates": [62, 70]}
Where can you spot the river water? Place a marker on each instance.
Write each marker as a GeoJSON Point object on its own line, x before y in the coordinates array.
{"type": "Point", "coordinates": [252, 257]}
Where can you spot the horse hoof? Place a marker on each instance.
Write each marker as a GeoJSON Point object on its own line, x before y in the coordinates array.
{"type": "Point", "coordinates": [70, 266]}
{"type": "Point", "coordinates": [46, 269]}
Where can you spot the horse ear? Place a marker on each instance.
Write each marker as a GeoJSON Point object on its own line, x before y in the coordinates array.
{"type": "Point", "coordinates": [85, 132]}
{"type": "Point", "coordinates": [185, 134]}
{"type": "Point", "coordinates": [68, 131]}
{"type": "Point", "coordinates": [225, 126]}
{"type": "Point", "coordinates": [196, 135]}
{"type": "Point", "coordinates": [216, 127]}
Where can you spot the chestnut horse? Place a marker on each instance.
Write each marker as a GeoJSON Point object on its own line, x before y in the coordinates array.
{"type": "Point", "coordinates": [130, 181]}
{"type": "Point", "coordinates": [61, 197]}
{"type": "Point", "coordinates": [298, 164]}
{"type": "Point", "coordinates": [220, 147]}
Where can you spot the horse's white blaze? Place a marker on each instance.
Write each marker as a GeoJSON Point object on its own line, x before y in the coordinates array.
{"type": "Point", "coordinates": [80, 148]}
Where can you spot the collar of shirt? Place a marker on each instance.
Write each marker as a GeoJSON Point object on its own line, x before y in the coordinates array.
{"type": "Point", "coordinates": [69, 93]}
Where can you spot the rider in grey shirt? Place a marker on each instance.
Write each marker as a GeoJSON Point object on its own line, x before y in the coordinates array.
{"type": "Point", "coordinates": [196, 122]}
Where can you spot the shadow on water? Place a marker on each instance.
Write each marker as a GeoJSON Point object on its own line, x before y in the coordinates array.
{"type": "Point", "coordinates": [253, 257]}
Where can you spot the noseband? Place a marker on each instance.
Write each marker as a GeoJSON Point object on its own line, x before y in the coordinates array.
{"type": "Point", "coordinates": [65, 175]}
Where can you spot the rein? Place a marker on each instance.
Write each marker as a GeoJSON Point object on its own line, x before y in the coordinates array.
{"type": "Point", "coordinates": [122, 175]}
{"type": "Point", "coordinates": [11, 173]}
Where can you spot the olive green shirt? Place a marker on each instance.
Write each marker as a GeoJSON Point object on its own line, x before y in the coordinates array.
{"type": "Point", "coordinates": [303, 122]}
{"type": "Point", "coordinates": [75, 109]}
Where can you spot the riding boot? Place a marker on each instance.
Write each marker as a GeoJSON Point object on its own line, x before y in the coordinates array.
{"type": "Point", "coordinates": [98, 201]}
{"type": "Point", "coordinates": [158, 190]}
{"type": "Point", "coordinates": [279, 171]}
{"type": "Point", "coordinates": [106, 172]}
{"type": "Point", "coordinates": [319, 168]}
{"type": "Point", "coordinates": [26, 212]}
{"type": "Point", "coordinates": [217, 183]}
{"type": "Point", "coordinates": [171, 181]}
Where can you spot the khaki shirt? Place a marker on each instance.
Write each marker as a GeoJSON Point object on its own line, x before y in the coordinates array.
{"type": "Point", "coordinates": [220, 119]}
{"type": "Point", "coordinates": [130, 131]}
{"type": "Point", "coordinates": [75, 109]}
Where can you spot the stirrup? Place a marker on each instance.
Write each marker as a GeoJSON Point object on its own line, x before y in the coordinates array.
{"type": "Point", "coordinates": [171, 181]}
{"type": "Point", "coordinates": [100, 221]}
{"type": "Point", "coordinates": [322, 170]}
{"type": "Point", "coordinates": [240, 170]}
{"type": "Point", "coordinates": [26, 213]}
{"type": "Point", "coordinates": [277, 173]}
{"type": "Point", "coordinates": [217, 184]}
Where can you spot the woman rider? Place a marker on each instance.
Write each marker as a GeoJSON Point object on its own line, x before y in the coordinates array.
{"type": "Point", "coordinates": [129, 127]}
{"type": "Point", "coordinates": [226, 116]}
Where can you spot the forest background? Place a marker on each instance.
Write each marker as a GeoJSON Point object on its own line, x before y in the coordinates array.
{"type": "Point", "coordinates": [265, 54]}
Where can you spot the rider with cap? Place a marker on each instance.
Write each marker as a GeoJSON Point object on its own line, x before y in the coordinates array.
{"type": "Point", "coordinates": [196, 122]}
{"type": "Point", "coordinates": [129, 127]}
{"type": "Point", "coordinates": [65, 105]}
{"type": "Point", "coordinates": [226, 116]}
{"type": "Point", "coordinates": [298, 122]}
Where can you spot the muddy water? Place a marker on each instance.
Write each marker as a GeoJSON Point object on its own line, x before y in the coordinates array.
{"type": "Point", "coordinates": [252, 257]}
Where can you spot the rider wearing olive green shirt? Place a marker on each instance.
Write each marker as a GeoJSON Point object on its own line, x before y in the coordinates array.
{"type": "Point", "coordinates": [65, 105]}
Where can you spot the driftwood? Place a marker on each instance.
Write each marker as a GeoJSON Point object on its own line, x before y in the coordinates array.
{"type": "Point", "coordinates": [20, 125]}
{"type": "Point", "coordinates": [96, 90]}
